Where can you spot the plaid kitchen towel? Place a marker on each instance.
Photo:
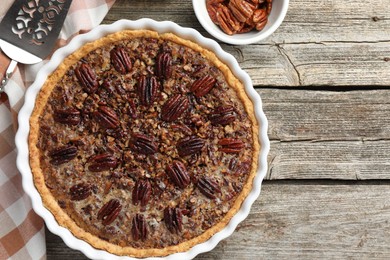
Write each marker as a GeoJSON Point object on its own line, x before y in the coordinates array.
{"type": "Point", "coordinates": [21, 230]}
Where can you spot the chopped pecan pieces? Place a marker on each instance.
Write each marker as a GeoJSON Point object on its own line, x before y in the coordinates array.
{"type": "Point", "coordinates": [243, 168]}
{"type": "Point", "coordinates": [174, 107]}
{"type": "Point", "coordinates": [141, 192]}
{"type": "Point", "coordinates": [109, 212]}
{"type": "Point", "coordinates": [143, 144]}
{"type": "Point", "coordinates": [231, 145]}
{"type": "Point", "coordinates": [189, 145]}
{"type": "Point", "coordinates": [147, 89]}
{"type": "Point", "coordinates": [208, 187]}
{"type": "Point", "coordinates": [106, 117]}
{"type": "Point", "coordinates": [233, 164]}
{"type": "Point", "coordinates": [63, 154]}
{"type": "Point", "coordinates": [80, 191]}
{"type": "Point", "coordinates": [68, 116]}
{"type": "Point", "coordinates": [178, 174]}
{"type": "Point", "coordinates": [117, 133]}
{"type": "Point", "coordinates": [120, 59]}
{"type": "Point", "coordinates": [139, 229]}
{"type": "Point", "coordinates": [112, 88]}
{"type": "Point", "coordinates": [164, 65]}
{"type": "Point", "coordinates": [87, 78]}
{"type": "Point", "coordinates": [222, 115]}
{"type": "Point", "coordinates": [202, 86]}
{"type": "Point", "coordinates": [102, 162]}
{"type": "Point", "coordinates": [173, 219]}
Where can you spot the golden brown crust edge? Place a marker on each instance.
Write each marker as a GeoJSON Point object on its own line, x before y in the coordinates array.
{"type": "Point", "coordinates": [49, 201]}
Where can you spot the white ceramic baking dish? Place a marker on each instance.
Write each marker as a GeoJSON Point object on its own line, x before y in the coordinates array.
{"type": "Point", "coordinates": [100, 31]}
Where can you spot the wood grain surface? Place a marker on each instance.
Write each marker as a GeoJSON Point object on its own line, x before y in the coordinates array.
{"type": "Point", "coordinates": [324, 80]}
{"type": "Point", "coordinates": [301, 220]}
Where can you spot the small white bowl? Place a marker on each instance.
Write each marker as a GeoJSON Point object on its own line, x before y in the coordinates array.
{"type": "Point", "coordinates": [276, 17]}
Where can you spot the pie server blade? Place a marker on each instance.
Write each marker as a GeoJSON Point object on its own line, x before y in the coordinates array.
{"type": "Point", "coordinates": [29, 31]}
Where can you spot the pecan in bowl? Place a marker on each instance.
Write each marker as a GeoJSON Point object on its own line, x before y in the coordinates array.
{"type": "Point", "coordinates": [157, 147]}
{"type": "Point", "coordinates": [240, 21]}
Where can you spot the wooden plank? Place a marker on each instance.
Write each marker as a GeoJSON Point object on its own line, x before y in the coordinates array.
{"type": "Point", "coordinates": [337, 44]}
{"type": "Point", "coordinates": [328, 134]}
{"type": "Point", "coordinates": [312, 221]}
{"type": "Point", "coordinates": [296, 115]}
{"type": "Point", "coordinates": [306, 20]}
{"type": "Point", "coordinates": [334, 21]}
{"type": "Point", "coordinates": [346, 160]}
{"type": "Point", "coordinates": [301, 220]}
{"type": "Point", "coordinates": [334, 64]}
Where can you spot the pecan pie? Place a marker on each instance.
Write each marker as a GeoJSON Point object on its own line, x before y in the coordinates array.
{"type": "Point", "coordinates": [143, 144]}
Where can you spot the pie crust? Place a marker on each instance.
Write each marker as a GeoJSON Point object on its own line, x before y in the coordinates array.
{"type": "Point", "coordinates": [64, 211]}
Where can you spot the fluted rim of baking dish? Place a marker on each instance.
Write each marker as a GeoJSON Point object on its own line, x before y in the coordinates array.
{"type": "Point", "coordinates": [22, 134]}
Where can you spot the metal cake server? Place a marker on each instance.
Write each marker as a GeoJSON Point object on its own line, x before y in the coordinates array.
{"type": "Point", "coordinates": [29, 31]}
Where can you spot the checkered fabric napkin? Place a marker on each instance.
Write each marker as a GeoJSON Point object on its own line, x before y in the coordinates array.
{"type": "Point", "coordinates": [21, 230]}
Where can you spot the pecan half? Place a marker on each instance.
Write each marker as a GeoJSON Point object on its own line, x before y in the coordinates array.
{"type": "Point", "coordinates": [141, 192]}
{"type": "Point", "coordinates": [63, 154]}
{"type": "Point", "coordinates": [109, 212]}
{"type": "Point", "coordinates": [212, 6]}
{"type": "Point", "coordinates": [174, 107]}
{"type": "Point", "coordinates": [147, 88]}
{"type": "Point", "coordinates": [208, 187]}
{"type": "Point", "coordinates": [120, 59]}
{"type": "Point", "coordinates": [202, 86]}
{"type": "Point", "coordinates": [259, 15]}
{"type": "Point", "coordinates": [106, 117]}
{"type": "Point", "coordinates": [230, 145]}
{"type": "Point", "coordinates": [143, 144]}
{"type": "Point", "coordinates": [233, 164]}
{"type": "Point", "coordinates": [222, 115]}
{"type": "Point", "coordinates": [131, 109]}
{"type": "Point", "coordinates": [189, 145]}
{"type": "Point", "coordinates": [269, 6]}
{"type": "Point", "coordinates": [227, 21]}
{"type": "Point", "coordinates": [87, 78]}
{"type": "Point", "coordinates": [182, 128]}
{"type": "Point", "coordinates": [102, 162]}
{"type": "Point", "coordinates": [173, 219]}
{"type": "Point", "coordinates": [241, 9]}
{"type": "Point", "coordinates": [260, 18]}
{"type": "Point", "coordinates": [67, 116]}
{"type": "Point", "coordinates": [239, 16]}
{"type": "Point", "coordinates": [80, 191]}
{"type": "Point", "coordinates": [139, 229]}
{"type": "Point", "coordinates": [178, 174]}
{"type": "Point", "coordinates": [164, 65]}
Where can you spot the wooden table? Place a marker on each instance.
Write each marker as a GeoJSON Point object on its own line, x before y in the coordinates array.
{"type": "Point", "coordinates": [324, 78]}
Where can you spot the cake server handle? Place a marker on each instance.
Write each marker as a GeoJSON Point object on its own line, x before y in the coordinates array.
{"type": "Point", "coordinates": [8, 73]}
